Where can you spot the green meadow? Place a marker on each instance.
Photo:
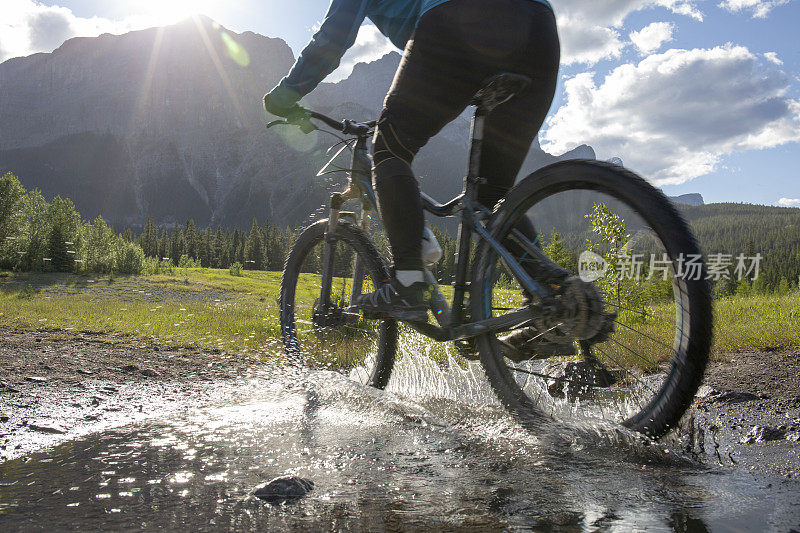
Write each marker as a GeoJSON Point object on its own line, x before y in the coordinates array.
{"type": "Point", "coordinates": [211, 309]}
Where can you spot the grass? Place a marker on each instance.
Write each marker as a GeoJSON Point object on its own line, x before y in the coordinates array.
{"type": "Point", "coordinates": [197, 307]}
{"type": "Point", "coordinates": [211, 309]}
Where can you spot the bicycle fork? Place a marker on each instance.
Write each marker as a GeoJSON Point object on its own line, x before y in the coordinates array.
{"type": "Point", "coordinates": [358, 267]}
{"type": "Point", "coordinates": [329, 252]}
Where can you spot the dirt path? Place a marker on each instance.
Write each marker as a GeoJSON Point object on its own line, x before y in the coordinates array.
{"type": "Point", "coordinates": [56, 385]}
{"type": "Point", "coordinates": [749, 414]}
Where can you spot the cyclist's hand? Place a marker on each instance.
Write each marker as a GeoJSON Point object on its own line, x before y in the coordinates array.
{"type": "Point", "coordinates": [300, 116]}
{"type": "Point", "coordinates": [273, 105]}
{"type": "Point", "coordinates": [294, 114]}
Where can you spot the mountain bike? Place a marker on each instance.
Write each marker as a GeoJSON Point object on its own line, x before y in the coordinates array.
{"type": "Point", "coordinates": [631, 351]}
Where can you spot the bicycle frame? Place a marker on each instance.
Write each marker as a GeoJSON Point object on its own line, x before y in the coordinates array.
{"type": "Point", "coordinates": [472, 217]}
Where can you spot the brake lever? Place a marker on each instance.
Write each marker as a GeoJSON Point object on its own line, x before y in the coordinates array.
{"type": "Point", "coordinates": [305, 126]}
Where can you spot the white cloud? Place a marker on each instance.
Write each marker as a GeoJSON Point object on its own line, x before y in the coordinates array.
{"type": "Point", "coordinates": [674, 115]}
{"type": "Point", "coordinates": [27, 27]}
{"type": "Point", "coordinates": [586, 43]}
{"type": "Point", "coordinates": [651, 37]}
{"type": "Point", "coordinates": [370, 45]}
{"type": "Point", "coordinates": [773, 58]}
{"type": "Point", "coordinates": [588, 28]}
{"type": "Point", "coordinates": [759, 8]}
{"type": "Point", "coordinates": [789, 202]}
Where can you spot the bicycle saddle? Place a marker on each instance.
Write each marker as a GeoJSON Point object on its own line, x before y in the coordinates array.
{"type": "Point", "coordinates": [498, 89]}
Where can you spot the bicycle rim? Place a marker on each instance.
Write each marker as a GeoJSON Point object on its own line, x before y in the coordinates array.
{"type": "Point", "coordinates": [645, 373]}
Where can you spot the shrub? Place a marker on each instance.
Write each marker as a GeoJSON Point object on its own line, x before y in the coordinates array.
{"type": "Point", "coordinates": [97, 247]}
{"type": "Point", "coordinates": [150, 266]}
{"type": "Point", "coordinates": [165, 266]}
{"type": "Point", "coordinates": [128, 257]}
{"type": "Point", "coordinates": [235, 269]}
{"type": "Point", "coordinates": [187, 262]}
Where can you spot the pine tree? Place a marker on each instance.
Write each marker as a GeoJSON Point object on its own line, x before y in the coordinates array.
{"type": "Point", "coordinates": [190, 239]}
{"type": "Point", "coordinates": [254, 248]}
{"type": "Point", "coordinates": [149, 238]}
{"type": "Point", "coordinates": [559, 253]}
{"type": "Point", "coordinates": [164, 246]}
{"type": "Point", "coordinates": [60, 260]}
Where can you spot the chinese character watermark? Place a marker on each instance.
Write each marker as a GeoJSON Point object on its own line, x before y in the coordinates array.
{"type": "Point", "coordinates": [715, 267]}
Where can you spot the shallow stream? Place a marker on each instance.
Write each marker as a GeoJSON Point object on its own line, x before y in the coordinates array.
{"type": "Point", "coordinates": [380, 461]}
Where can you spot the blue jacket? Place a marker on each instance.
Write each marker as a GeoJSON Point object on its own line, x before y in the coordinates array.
{"type": "Point", "coordinates": [396, 19]}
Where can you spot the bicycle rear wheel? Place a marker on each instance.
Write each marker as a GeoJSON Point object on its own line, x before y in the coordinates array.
{"type": "Point", "coordinates": [327, 334]}
{"type": "Point", "coordinates": [643, 362]}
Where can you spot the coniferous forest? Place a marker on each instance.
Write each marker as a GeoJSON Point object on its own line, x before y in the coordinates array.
{"type": "Point", "coordinates": [41, 235]}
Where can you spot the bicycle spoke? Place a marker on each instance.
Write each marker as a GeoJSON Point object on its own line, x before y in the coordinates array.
{"type": "Point", "coordinates": [545, 376]}
{"type": "Point", "coordinates": [649, 362]}
{"type": "Point", "coordinates": [644, 334]}
{"type": "Point", "coordinates": [637, 311]}
{"type": "Point", "coordinates": [645, 385]}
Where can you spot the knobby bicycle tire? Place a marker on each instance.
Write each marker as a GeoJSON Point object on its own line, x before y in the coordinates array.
{"type": "Point", "coordinates": [354, 237]}
{"type": "Point", "coordinates": [693, 334]}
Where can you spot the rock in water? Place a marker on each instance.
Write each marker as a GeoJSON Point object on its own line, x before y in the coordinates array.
{"type": "Point", "coordinates": [284, 488]}
{"type": "Point", "coordinates": [764, 434]}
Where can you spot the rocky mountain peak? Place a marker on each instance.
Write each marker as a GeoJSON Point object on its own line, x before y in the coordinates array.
{"type": "Point", "coordinates": [167, 122]}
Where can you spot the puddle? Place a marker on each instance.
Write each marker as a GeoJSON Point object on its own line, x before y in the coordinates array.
{"type": "Point", "coordinates": [380, 462]}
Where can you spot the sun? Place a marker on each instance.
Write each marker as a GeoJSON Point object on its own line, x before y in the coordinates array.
{"type": "Point", "coordinates": [163, 12]}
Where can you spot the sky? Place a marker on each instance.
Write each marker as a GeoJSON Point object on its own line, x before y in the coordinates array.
{"type": "Point", "coordinates": [695, 95]}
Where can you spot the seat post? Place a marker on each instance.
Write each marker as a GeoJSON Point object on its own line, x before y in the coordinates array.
{"type": "Point", "coordinates": [477, 128]}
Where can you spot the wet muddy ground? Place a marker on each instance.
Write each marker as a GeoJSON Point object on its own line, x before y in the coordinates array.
{"type": "Point", "coordinates": [112, 434]}
{"type": "Point", "coordinates": [55, 385]}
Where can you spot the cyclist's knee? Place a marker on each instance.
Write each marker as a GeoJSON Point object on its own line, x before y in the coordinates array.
{"type": "Point", "coordinates": [392, 145]}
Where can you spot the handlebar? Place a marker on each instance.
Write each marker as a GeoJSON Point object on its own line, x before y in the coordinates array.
{"type": "Point", "coordinates": [348, 127]}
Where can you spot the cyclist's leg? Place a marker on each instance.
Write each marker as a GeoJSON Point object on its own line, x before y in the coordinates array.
{"type": "Point", "coordinates": [512, 127]}
{"type": "Point", "coordinates": [430, 89]}
{"type": "Point", "coordinates": [420, 102]}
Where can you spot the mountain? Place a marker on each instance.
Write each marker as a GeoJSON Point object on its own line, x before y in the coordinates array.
{"type": "Point", "coordinates": [693, 199]}
{"type": "Point", "coordinates": [167, 122]}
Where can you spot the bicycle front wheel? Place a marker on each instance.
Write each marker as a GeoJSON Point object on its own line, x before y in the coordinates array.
{"type": "Point", "coordinates": [322, 331]}
{"type": "Point", "coordinates": [633, 337]}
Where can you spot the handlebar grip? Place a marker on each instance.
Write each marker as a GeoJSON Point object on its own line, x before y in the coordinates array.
{"type": "Point", "coordinates": [335, 124]}
{"type": "Point", "coordinates": [302, 119]}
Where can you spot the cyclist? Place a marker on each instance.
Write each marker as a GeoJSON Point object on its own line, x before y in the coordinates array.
{"type": "Point", "coordinates": [451, 47]}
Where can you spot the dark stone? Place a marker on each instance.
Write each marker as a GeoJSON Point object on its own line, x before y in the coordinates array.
{"type": "Point", "coordinates": [4, 417]}
{"type": "Point", "coordinates": [284, 488]}
{"type": "Point", "coordinates": [46, 429]}
{"type": "Point", "coordinates": [130, 368]}
{"type": "Point", "coordinates": [764, 434]}
{"type": "Point", "coordinates": [735, 397]}
{"type": "Point", "coordinates": [147, 372]}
